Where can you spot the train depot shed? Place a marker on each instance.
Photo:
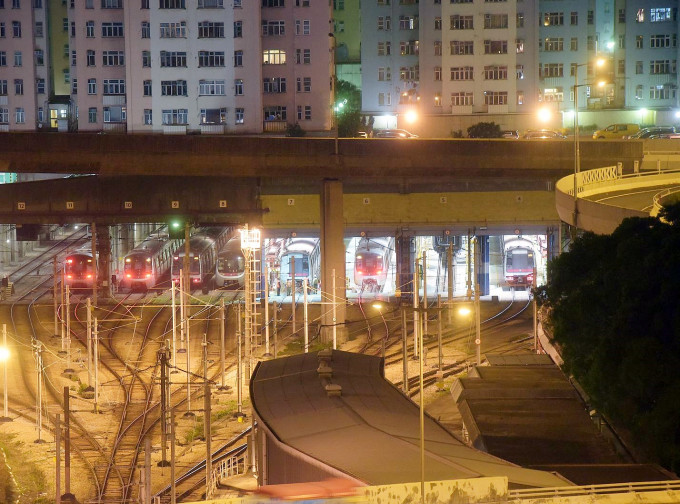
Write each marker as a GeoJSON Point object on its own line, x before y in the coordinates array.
{"type": "Point", "coordinates": [523, 409]}
{"type": "Point", "coordinates": [333, 414]}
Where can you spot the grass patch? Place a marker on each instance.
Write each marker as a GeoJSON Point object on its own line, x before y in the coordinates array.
{"type": "Point", "coordinates": [28, 475]}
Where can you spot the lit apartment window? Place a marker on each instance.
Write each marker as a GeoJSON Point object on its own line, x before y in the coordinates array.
{"type": "Point", "coordinates": [273, 57]}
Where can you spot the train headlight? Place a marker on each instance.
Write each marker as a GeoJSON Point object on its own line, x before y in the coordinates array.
{"type": "Point", "coordinates": [129, 275]}
{"type": "Point", "coordinates": [89, 276]}
{"type": "Point", "coordinates": [148, 275]}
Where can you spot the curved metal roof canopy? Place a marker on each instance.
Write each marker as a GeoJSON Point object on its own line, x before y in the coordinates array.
{"type": "Point", "coordinates": [370, 431]}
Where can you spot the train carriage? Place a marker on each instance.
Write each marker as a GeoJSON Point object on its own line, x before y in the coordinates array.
{"type": "Point", "coordinates": [230, 267]}
{"type": "Point", "coordinates": [203, 247]}
{"type": "Point", "coordinates": [147, 263]}
{"type": "Point", "coordinates": [80, 268]}
{"type": "Point", "coordinates": [519, 263]}
{"type": "Point", "coordinates": [372, 260]}
{"type": "Point", "coordinates": [302, 252]}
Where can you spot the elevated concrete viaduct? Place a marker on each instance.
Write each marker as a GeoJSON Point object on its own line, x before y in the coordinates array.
{"type": "Point", "coordinates": [382, 186]}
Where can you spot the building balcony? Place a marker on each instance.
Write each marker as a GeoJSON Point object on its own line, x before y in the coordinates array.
{"type": "Point", "coordinates": [115, 128]}
{"type": "Point", "coordinates": [4, 128]}
{"type": "Point", "coordinates": [174, 129]}
{"type": "Point", "coordinates": [461, 109]}
{"type": "Point", "coordinates": [3, 100]}
{"type": "Point", "coordinates": [497, 109]}
{"type": "Point", "coordinates": [213, 129]}
{"type": "Point", "coordinates": [275, 126]}
{"type": "Point", "coordinates": [113, 100]}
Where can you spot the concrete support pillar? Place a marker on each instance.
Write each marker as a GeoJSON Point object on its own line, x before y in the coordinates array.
{"type": "Point", "coordinates": [405, 246]}
{"type": "Point", "coordinates": [332, 258]}
{"type": "Point", "coordinates": [104, 261]}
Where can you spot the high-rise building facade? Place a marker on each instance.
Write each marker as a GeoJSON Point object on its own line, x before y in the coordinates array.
{"type": "Point", "coordinates": [172, 66]}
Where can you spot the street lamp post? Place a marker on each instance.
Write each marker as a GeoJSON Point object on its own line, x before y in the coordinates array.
{"type": "Point", "coordinates": [577, 145]}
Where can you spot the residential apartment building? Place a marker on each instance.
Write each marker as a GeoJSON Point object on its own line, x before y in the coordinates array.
{"type": "Point", "coordinates": [24, 82]}
{"type": "Point", "coordinates": [173, 66]}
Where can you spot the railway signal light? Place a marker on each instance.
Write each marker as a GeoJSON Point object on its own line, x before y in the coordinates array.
{"type": "Point", "coordinates": [176, 229]}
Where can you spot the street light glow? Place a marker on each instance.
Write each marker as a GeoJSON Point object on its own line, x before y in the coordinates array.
{"type": "Point", "coordinates": [411, 116]}
{"type": "Point", "coordinates": [465, 311]}
{"type": "Point", "coordinates": [377, 306]}
{"type": "Point", "coordinates": [544, 114]}
{"type": "Point", "coordinates": [4, 354]}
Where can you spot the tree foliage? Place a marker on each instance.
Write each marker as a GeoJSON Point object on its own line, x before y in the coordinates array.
{"type": "Point", "coordinates": [349, 115]}
{"type": "Point", "coordinates": [485, 130]}
{"type": "Point", "coordinates": [614, 304]}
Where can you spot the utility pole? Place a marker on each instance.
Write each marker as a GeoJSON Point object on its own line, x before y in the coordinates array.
{"type": "Point", "coordinates": [95, 279]}
{"type": "Point", "coordinates": [276, 328]}
{"type": "Point", "coordinates": [416, 300]}
{"type": "Point", "coordinates": [173, 490]}
{"type": "Point", "coordinates": [67, 443]}
{"type": "Point", "coordinates": [174, 325]}
{"type": "Point", "coordinates": [239, 366]}
{"type": "Point", "coordinates": [206, 419]}
{"type": "Point", "coordinates": [292, 291]}
{"type": "Point", "coordinates": [266, 309]}
{"type": "Point", "coordinates": [163, 357]}
{"type": "Point", "coordinates": [68, 331]}
{"type": "Point", "coordinates": [89, 342]}
{"type": "Point", "coordinates": [404, 343]}
{"type": "Point", "coordinates": [96, 366]}
{"type": "Point", "coordinates": [223, 385]}
{"type": "Point", "coordinates": [451, 280]}
{"type": "Point", "coordinates": [425, 302]}
{"type": "Point", "coordinates": [439, 330]}
{"type": "Point", "coordinates": [38, 368]}
{"type": "Point", "coordinates": [54, 296]}
{"type": "Point", "coordinates": [335, 311]}
{"type": "Point", "coordinates": [57, 449]}
{"type": "Point", "coordinates": [306, 321]}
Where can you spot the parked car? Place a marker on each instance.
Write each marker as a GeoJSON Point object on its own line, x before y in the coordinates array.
{"type": "Point", "coordinates": [653, 131]}
{"type": "Point", "coordinates": [620, 130]}
{"type": "Point", "coordinates": [510, 134]}
{"type": "Point", "coordinates": [393, 133]}
{"type": "Point", "coordinates": [543, 134]}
